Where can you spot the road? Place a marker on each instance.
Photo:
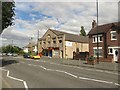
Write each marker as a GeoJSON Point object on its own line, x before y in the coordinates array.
{"type": "Point", "coordinates": [18, 72]}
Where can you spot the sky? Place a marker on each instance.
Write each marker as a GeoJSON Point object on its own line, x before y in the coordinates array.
{"type": "Point", "coordinates": [62, 16]}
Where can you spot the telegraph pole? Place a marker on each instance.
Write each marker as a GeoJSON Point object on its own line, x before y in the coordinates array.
{"type": "Point", "coordinates": [38, 42]}
{"type": "Point", "coordinates": [97, 33]}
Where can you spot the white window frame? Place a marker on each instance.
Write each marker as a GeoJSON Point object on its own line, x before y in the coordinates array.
{"type": "Point", "coordinates": [96, 38]}
{"type": "Point", "coordinates": [109, 51]}
{"type": "Point", "coordinates": [99, 38]}
{"type": "Point", "coordinates": [111, 34]}
{"type": "Point", "coordinates": [112, 49]}
{"type": "Point", "coordinates": [98, 48]}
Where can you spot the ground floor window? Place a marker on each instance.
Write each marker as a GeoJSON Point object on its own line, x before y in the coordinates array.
{"type": "Point", "coordinates": [110, 51]}
{"type": "Point", "coordinates": [97, 51]}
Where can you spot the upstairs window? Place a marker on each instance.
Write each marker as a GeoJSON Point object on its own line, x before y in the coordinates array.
{"type": "Point", "coordinates": [100, 38]}
{"type": "Point", "coordinates": [54, 42]}
{"type": "Point", "coordinates": [113, 35]}
{"type": "Point", "coordinates": [60, 41]}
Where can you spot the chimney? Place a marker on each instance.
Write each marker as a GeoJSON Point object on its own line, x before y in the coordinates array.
{"type": "Point", "coordinates": [94, 24]}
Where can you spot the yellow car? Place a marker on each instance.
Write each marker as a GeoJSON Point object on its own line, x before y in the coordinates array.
{"type": "Point", "coordinates": [35, 57]}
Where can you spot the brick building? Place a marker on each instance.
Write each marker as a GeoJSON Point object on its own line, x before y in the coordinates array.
{"type": "Point", "coordinates": [108, 42]}
{"type": "Point", "coordinates": [61, 44]}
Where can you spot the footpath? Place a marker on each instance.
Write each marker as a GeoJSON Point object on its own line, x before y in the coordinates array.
{"type": "Point", "coordinates": [80, 63]}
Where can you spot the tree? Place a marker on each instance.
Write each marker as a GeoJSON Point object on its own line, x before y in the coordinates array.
{"type": "Point", "coordinates": [82, 31]}
{"type": "Point", "coordinates": [7, 14]}
{"type": "Point", "coordinates": [10, 49]}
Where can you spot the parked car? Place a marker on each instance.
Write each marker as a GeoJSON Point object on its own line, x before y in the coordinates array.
{"type": "Point", "coordinates": [26, 55]}
{"type": "Point", "coordinates": [35, 57]}
{"type": "Point", "coordinates": [40, 54]}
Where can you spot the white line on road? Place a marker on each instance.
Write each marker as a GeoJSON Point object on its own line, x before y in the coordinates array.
{"type": "Point", "coordinates": [95, 80]}
{"type": "Point", "coordinates": [70, 74]}
{"type": "Point", "coordinates": [8, 75]}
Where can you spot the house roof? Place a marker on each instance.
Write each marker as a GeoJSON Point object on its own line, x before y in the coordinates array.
{"type": "Point", "coordinates": [71, 37]}
{"type": "Point", "coordinates": [104, 28]}
{"type": "Point", "coordinates": [30, 45]}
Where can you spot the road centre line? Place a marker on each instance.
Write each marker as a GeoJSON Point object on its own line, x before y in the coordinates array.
{"type": "Point", "coordinates": [83, 78]}
{"type": "Point", "coordinates": [8, 75]}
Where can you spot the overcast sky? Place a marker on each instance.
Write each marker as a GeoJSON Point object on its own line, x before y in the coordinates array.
{"type": "Point", "coordinates": [63, 16]}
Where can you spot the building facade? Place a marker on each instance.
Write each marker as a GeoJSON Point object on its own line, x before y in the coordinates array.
{"type": "Point", "coordinates": [104, 42]}
{"type": "Point", "coordinates": [62, 45]}
{"type": "Point", "coordinates": [31, 47]}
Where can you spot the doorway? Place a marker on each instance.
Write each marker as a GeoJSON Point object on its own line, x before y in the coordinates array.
{"type": "Point", "coordinates": [115, 54]}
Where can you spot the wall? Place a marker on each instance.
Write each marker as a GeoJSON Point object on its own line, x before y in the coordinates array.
{"type": "Point", "coordinates": [70, 48]}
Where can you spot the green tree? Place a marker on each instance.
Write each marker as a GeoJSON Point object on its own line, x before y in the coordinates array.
{"type": "Point", "coordinates": [7, 14]}
{"type": "Point", "coordinates": [82, 31]}
{"type": "Point", "coordinates": [11, 49]}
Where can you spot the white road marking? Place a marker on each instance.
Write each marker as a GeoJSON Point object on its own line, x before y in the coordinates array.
{"type": "Point", "coordinates": [70, 74]}
{"type": "Point", "coordinates": [117, 84]}
{"type": "Point", "coordinates": [8, 75]}
{"type": "Point", "coordinates": [95, 80]}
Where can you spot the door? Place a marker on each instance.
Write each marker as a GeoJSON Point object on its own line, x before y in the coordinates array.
{"type": "Point", "coordinates": [116, 53]}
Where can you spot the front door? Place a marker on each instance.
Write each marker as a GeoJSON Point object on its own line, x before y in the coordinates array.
{"type": "Point", "coordinates": [116, 53]}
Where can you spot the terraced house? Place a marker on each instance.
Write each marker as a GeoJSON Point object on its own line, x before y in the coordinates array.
{"type": "Point", "coordinates": [108, 43]}
{"type": "Point", "coordinates": [61, 44]}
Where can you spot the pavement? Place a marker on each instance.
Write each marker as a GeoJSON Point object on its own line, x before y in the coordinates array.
{"type": "Point", "coordinates": [18, 72]}
{"type": "Point", "coordinates": [110, 66]}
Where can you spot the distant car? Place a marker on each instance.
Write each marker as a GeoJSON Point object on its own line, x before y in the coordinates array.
{"type": "Point", "coordinates": [14, 54]}
{"type": "Point", "coordinates": [26, 55]}
{"type": "Point", "coordinates": [35, 57]}
{"type": "Point", "coordinates": [9, 54]}
{"type": "Point", "coordinates": [4, 54]}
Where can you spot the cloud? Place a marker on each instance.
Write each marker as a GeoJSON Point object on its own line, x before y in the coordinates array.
{"type": "Point", "coordinates": [64, 16]}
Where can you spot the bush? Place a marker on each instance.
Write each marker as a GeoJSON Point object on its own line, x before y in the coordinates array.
{"type": "Point", "coordinates": [91, 58]}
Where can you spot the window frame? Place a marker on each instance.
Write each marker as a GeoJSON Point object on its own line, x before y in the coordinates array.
{"type": "Point", "coordinates": [111, 35]}
{"type": "Point", "coordinates": [95, 38]}
{"type": "Point", "coordinates": [99, 48]}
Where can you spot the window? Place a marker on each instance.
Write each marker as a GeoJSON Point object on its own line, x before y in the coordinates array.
{"type": "Point", "coordinates": [49, 42]}
{"type": "Point", "coordinates": [60, 41]}
{"type": "Point", "coordinates": [94, 39]}
{"type": "Point", "coordinates": [48, 36]}
{"type": "Point", "coordinates": [99, 38]}
{"type": "Point", "coordinates": [113, 35]}
{"type": "Point", "coordinates": [110, 50]}
{"type": "Point", "coordinates": [54, 42]}
{"type": "Point", "coordinates": [98, 51]}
